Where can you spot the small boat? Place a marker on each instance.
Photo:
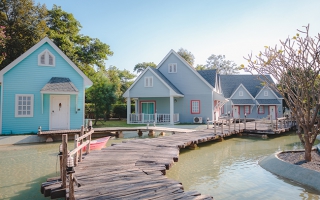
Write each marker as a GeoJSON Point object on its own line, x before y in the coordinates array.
{"type": "Point", "coordinates": [97, 144]}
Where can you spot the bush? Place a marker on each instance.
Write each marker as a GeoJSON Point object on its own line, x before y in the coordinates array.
{"type": "Point", "coordinates": [120, 110]}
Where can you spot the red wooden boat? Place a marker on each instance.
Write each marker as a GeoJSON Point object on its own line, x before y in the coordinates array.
{"type": "Point", "coordinates": [97, 144]}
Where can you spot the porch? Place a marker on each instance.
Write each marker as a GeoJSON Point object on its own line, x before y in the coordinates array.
{"type": "Point", "coordinates": [142, 118]}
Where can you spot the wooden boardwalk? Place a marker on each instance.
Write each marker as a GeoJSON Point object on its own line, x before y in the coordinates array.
{"type": "Point", "coordinates": [135, 169]}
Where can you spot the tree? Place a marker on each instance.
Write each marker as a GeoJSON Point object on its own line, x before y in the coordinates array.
{"type": "Point", "coordinates": [222, 65]}
{"type": "Point", "coordinates": [25, 26]}
{"type": "Point", "coordinates": [295, 66]}
{"type": "Point", "coordinates": [187, 55]}
{"type": "Point", "coordinates": [140, 67]}
{"type": "Point", "coordinates": [2, 43]}
{"type": "Point", "coordinates": [122, 79]}
{"type": "Point", "coordinates": [102, 95]}
{"type": "Point", "coordinates": [84, 51]}
{"type": "Point", "coordinates": [200, 67]}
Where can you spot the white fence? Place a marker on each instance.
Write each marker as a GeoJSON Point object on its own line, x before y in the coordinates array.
{"type": "Point", "coordinates": [150, 118]}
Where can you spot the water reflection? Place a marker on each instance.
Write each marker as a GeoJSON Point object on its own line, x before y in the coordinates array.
{"type": "Point", "coordinates": [230, 170]}
{"type": "Point", "coordinates": [225, 170]}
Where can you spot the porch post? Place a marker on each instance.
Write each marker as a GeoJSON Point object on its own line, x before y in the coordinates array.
{"type": "Point", "coordinates": [171, 109]}
{"type": "Point", "coordinates": [128, 109]}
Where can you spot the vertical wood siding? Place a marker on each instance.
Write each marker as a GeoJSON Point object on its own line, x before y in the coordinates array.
{"type": "Point", "coordinates": [29, 78]}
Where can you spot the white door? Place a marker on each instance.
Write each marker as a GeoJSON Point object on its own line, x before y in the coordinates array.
{"type": "Point", "coordinates": [272, 112]}
{"type": "Point", "coordinates": [59, 112]}
{"type": "Point", "coordinates": [236, 112]}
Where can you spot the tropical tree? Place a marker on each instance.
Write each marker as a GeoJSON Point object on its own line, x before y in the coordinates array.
{"type": "Point", "coordinates": [2, 43]}
{"type": "Point", "coordinates": [295, 65]}
{"type": "Point", "coordinates": [25, 25]}
{"type": "Point", "coordinates": [140, 67]}
{"type": "Point", "coordinates": [122, 79]}
{"type": "Point", "coordinates": [84, 51]}
{"type": "Point", "coordinates": [222, 65]}
{"type": "Point", "coordinates": [187, 55]}
{"type": "Point", "coordinates": [102, 94]}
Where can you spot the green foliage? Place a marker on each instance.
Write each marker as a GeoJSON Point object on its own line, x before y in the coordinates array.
{"type": "Point", "coordinates": [140, 67]}
{"type": "Point", "coordinates": [120, 110]}
{"type": "Point", "coordinates": [187, 55]}
{"type": "Point", "coordinates": [200, 67]}
{"type": "Point", "coordinates": [2, 43]}
{"type": "Point", "coordinates": [222, 65]}
{"type": "Point", "coordinates": [25, 25]}
{"type": "Point", "coordinates": [84, 51]}
{"type": "Point", "coordinates": [122, 79]}
{"type": "Point", "coordinates": [101, 95]}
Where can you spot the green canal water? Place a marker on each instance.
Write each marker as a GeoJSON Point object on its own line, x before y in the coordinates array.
{"type": "Point", "coordinates": [225, 170]}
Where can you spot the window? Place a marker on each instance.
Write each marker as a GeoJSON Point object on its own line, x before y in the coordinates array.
{"type": "Point", "coordinates": [46, 58]}
{"type": "Point", "coordinates": [172, 68]}
{"type": "Point", "coordinates": [265, 93]}
{"type": "Point", "coordinates": [24, 105]}
{"type": "Point", "coordinates": [240, 93]}
{"type": "Point", "coordinates": [148, 81]}
{"type": "Point", "coordinates": [195, 106]}
{"type": "Point", "coordinates": [261, 110]}
{"type": "Point", "coordinates": [247, 109]}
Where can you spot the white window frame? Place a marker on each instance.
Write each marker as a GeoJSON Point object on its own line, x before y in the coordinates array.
{"type": "Point", "coordinates": [265, 93]}
{"type": "Point", "coordinates": [172, 68]}
{"type": "Point", "coordinates": [195, 106]}
{"type": "Point", "coordinates": [148, 81]}
{"type": "Point", "coordinates": [240, 93]}
{"type": "Point", "coordinates": [46, 53]}
{"type": "Point", "coordinates": [22, 102]}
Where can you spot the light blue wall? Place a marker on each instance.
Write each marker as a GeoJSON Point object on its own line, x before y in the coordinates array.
{"type": "Point", "coordinates": [246, 95]}
{"type": "Point", "coordinates": [29, 78]}
{"type": "Point", "coordinates": [270, 94]}
{"type": "Point", "coordinates": [158, 89]}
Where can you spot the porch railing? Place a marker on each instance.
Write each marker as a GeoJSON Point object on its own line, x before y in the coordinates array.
{"type": "Point", "coordinates": [150, 118]}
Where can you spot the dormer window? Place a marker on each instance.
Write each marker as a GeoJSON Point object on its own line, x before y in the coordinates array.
{"type": "Point", "coordinates": [148, 81]}
{"type": "Point", "coordinates": [46, 58]}
{"type": "Point", "coordinates": [172, 68]}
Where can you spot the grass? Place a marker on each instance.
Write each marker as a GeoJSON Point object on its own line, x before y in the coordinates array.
{"type": "Point", "coordinates": [114, 123]}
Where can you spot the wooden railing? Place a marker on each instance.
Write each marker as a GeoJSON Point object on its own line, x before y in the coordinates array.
{"type": "Point", "coordinates": [150, 118]}
{"type": "Point", "coordinates": [70, 159]}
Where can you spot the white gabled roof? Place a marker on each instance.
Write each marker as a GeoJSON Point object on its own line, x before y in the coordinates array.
{"type": "Point", "coordinates": [87, 81]}
{"type": "Point", "coordinates": [186, 63]}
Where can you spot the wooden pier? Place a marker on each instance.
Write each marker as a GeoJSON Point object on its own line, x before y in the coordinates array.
{"type": "Point", "coordinates": [135, 169]}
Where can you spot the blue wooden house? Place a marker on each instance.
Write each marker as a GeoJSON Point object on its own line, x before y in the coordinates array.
{"type": "Point", "coordinates": [42, 88]}
{"type": "Point", "coordinates": [173, 92]}
{"type": "Point", "coordinates": [247, 95]}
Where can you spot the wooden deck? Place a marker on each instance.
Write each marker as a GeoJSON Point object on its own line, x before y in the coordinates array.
{"type": "Point", "coordinates": [135, 169]}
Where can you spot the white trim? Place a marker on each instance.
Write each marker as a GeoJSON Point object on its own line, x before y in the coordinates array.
{"type": "Point", "coordinates": [48, 92]}
{"type": "Point", "coordinates": [241, 85]}
{"type": "Point", "coordinates": [46, 54]}
{"type": "Point", "coordinates": [126, 94]}
{"type": "Point", "coordinates": [172, 68]}
{"type": "Point", "coordinates": [87, 81]}
{"type": "Point", "coordinates": [16, 105]}
{"type": "Point", "coordinates": [186, 63]}
{"type": "Point", "coordinates": [50, 100]}
{"type": "Point", "coordinates": [148, 81]}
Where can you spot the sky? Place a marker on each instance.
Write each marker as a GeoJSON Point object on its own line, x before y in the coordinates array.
{"type": "Point", "coordinates": [146, 30]}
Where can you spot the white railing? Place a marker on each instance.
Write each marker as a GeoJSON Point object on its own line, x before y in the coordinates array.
{"type": "Point", "coordinates": [151, 118]}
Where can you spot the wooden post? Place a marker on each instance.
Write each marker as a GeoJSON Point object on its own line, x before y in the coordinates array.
{"type": "Point", "coordinates": [88, 145]}
{"type": "Point", "coordinates": [81, 141]}
{"type": "Point", "coordinates": [71, 187]}
{"type": "Point", "coordinates": [245, 122]}
{"type": "Point", "coordinates": [234, 126]}
{"type": "Point", "coordinates": [276, 123]}
{"type": "Point", "coordinates": [64, 160]}
{"type": "Point", "coordinates": [76, 155]}
{"type": "Point", "coordinates": [222, 126]}
{"type": "Point", "coordinates": [215, 128]}
{"type": "Point", "coordinates": [61, 164]}
{"type": "Point", "coordinates": [255, 125]}
{"type": "Point", "coordinates": [239, 123]}
{"type": "Point", "coordinates": [207, 123]}
{"type": "Point", "coordinates": [229, 125]}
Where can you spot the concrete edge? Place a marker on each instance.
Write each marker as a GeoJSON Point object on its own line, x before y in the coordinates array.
{"type": "Point", "coordinates": [290, 171]}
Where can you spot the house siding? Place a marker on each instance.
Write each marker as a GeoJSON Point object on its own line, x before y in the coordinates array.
{"type": "Point", "coordinates": [158, 89]}
{"type": "Point", "coordinates": [29, 78]}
